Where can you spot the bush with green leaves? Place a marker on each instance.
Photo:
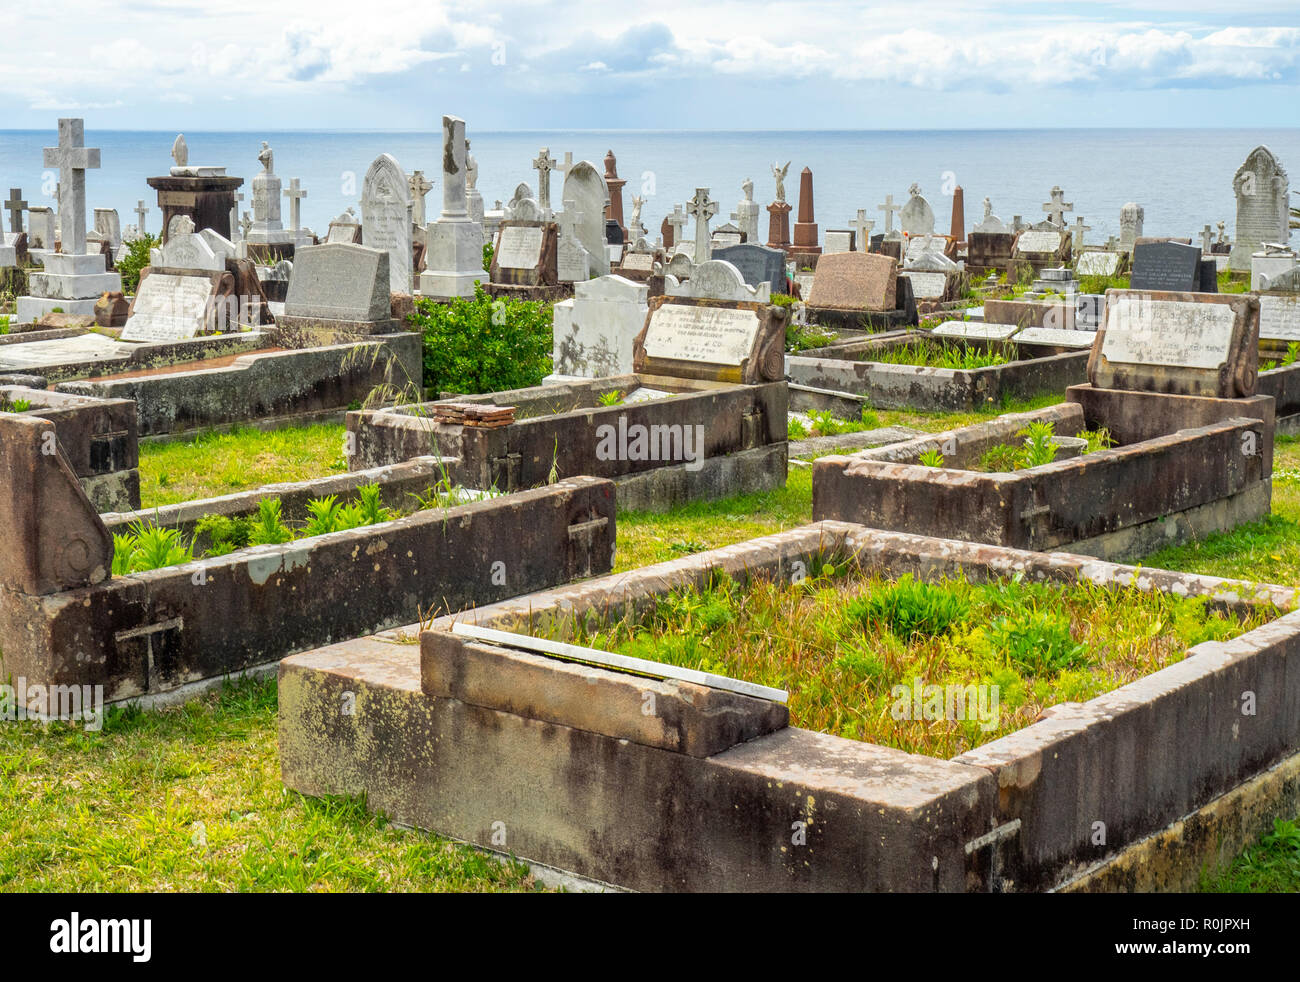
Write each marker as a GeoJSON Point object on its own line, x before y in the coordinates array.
{"type": "Point", "coordinates": [136, 259]}
{"type": "Point", "coordinates": [483, 344]}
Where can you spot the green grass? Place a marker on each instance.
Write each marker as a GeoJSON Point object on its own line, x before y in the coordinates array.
{"type": "Point", "coordinates": [929, 354]}
{"type": "Point", "coordinates": [1270, 866]}
{"type": "Point", "coordinates": [212, 464]}
{"type": "Point", "coordinates": [118, 809]}
{"type": "Point", "coordinates": [190, 799]}
{"type": "Point", "coordinates": [841, 642]}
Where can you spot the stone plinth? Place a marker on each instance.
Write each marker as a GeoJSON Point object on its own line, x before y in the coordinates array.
{"type": "Point", "coordinates": [778, 225]}
{"type": "Point", "coordinates": [71, 283]}
{"type": "Point", "coordinates": [207, 200]}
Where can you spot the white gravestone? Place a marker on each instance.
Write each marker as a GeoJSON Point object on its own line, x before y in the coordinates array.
{"type": "Point", "coordinates": [169, 307]}
{"type": "Point", "coordinates": [386, 218]}
{"type": "Point", "coordinates": [714, 335]}
{"type": "Point", "coordinates": [1174, 333]}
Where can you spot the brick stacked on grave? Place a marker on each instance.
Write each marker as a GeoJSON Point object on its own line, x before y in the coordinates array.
{"type": "Point", "coordinates": [338, 291]}
{"type": "Point", "coordinates": [71, 280]}
{"type": "Point", "coordinates": [595, 330]}
{"type": "Point", "coordinates": [202, 193]}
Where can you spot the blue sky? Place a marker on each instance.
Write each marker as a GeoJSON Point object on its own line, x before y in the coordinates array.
{"type": "Point", "coordinates": [701, 64]}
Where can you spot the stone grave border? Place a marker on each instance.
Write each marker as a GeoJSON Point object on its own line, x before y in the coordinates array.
{"type": "Point", "coordinates": [745, 434]}
{"type": "Point", "coordinates": [67, 621]}
{"type": "Point", "coordinates": [643, 811]}
{"type": "Point", "coordinates": [1177, 473]}
{"type": "Point", "coordinates": [833, 378]}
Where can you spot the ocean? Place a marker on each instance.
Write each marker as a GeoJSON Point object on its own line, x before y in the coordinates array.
{"type": "Point", "coordinates": [1183, 178]}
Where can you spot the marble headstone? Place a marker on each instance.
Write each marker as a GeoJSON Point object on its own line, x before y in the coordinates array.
{"type": "Point", "coordinates": [386, 218]}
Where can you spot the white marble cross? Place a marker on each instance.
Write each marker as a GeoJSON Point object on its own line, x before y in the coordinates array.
{"type": "Point", "coordinates": [419, 186]}
{"type": "Point", "coordinates": [569, 220]}
{"type": "Point", "coordinates": [16, 204]}
{"type": "Point", "coordinates": [544, 164]}
{"type": "Point", "coordinates": [677, 220]}
{"type": "Point", "coordinates": [295, 195]}
{"type": "Point", "coordinates": [73, 158]}
{"type": "Point", "coordinates": [1207, 240]}
{"type": "Point", "coordinates": [863, 227]}
{"type": "Point", "coordinates": [567, 166]}
{"type": "Point", "coordinates": [889, 208]}
{"type": "Point", "coordinates": [140, 212]}
{"type": "Point", "coordinates": [246, 224]}
{"type": "Point", "coordinates": [1078, 230]}
{"type": "Point", "coordinates": [1057, 207]}
{"type": "Point", "coordinates": [701, 208]}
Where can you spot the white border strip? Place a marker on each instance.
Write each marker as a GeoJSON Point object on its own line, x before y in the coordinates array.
{"type": "Point", "coordinates": [607, 659]}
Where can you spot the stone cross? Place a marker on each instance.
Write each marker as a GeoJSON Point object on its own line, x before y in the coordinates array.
{"type": "Point", "coordinates": [73, 158]}
{"type": "Point", "coordinates": [420, 186]}
{"type": "Point", "coordinates": [140, 211]}
{"type": "Point", "coordinates": [1207, 239]}
{"type": "Point", "coordinates": [567, 166]}
{"type": "Point", "coordinates": [1112, 243]}
{"type": "Point", "coordinates": [1078, 230]}
{"type": "Point", "coordinates": [863, 227]}
{"type": "Point", "coordinates": [295, 195]}
{"type": "Point", "coordinates": [569, 221]}
{"type": "Point", "coordinates": [1057, 207]}
{"type": "Point", "coordinates": [889, 208]}
{"type": "Point", "coordinates": [677, 220]}
{"type": "Point", "coordinates": [16, 204]}
{"type": "Point", "coordinates": [701, 208]}
{"type": "Point", "coordinates": [544, 164]}
{"type": "Point", "coordinates": [246, 224]}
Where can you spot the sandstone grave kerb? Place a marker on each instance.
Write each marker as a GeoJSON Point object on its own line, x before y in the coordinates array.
{"type": "Point", "coordinates": [147, 633]}
{"type": "Point", "coordinates": [847, 369]}
{"type": "Point", "coordinates": [97, 436]}
{"type": "Point", "coordinates": [266, 386]}
{"type": "Point", "coordinates": [1182, 467]}
{"type": "Point", "coordinates": [698, 441]}
{"type": "Point", "coordinates": [1014, 820]}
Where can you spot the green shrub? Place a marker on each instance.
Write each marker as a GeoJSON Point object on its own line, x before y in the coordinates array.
{"type": "Point", "coordinates": [225, 534]}
{"type": "Point", "coordinates": [1040, 448]}
{"type": "Point", "coordinates": [268, 529]}
{"type": "Point", "coordinates": [489, 251]}
{"type": "Point", "coordinates": [931, 458]}
{"type": "Point", "coordinates": [1036, 642]}
{"type": "Point", "coordinates": [136, 259]}
{"type": "Point", "coordinates": [1000, 459]}
{"type": "Point", "coordinates": [483, 345]}
{"type": "Point", "coordinates": [144, 547]}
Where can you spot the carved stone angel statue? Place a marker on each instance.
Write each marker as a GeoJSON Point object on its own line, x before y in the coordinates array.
{"type": "Point", "coordinates": [779, 173]}
{"type": "Point", "coordinates": [636, 212]}
{"type": "Point", "coordinates": [266, 158]}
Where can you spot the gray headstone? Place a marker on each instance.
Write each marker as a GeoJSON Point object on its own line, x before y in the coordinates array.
{"type": "Point", "coordinates": [339, 281]}
{"type": "Point", "coordinates": [1168, 266]}
{"type": "Point", "coordinates": [757, 264]}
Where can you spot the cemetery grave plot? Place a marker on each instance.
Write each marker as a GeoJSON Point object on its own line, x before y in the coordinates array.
{"type": "Point", "coordinates": [120, 601]}
{"type": "Point", "coordinates": [664, 773]}
{"type": "Point", "coordinates": [1179, 465]}
{"type": "Point", "coordinates": [97, 436]}
{"type": "Point", "coordinates": [703, 417]}
{"type": "Point", "coordinates": [919, 370]}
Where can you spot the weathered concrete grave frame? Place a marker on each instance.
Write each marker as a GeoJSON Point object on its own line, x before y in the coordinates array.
{"type": "Point", "coordinates": [65, 620]}
{"type": "Point", "coordinates": [475, 740]}
{"type": "Point", "coordinates": [1182, 467]}
{"type": "Point", "coordinates": [842, 376]}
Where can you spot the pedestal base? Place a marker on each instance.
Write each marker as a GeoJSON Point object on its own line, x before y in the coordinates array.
{"type": "Point", "coordinates": [31, 309]}
{"type": "Point", "coordinates": [805, 239]}
{"type": "Point", "coordinates": [778, 225]}
{"type": "Point", "coordinates": [454, 259]}
{"type": "Point", "coordinates": [207, 199]}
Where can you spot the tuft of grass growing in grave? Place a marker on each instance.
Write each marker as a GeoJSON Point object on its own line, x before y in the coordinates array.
{"type": "Point", "coordinates": [483, 345]}
{"type": "Point", "coordinates": [244, 458]}
{"type": "Point", "coordinates": [942, 355]}
{"type": "Point", "coordinates": [1230, 282]}
{"type": "Point", "coordinates": [852, 648]}
{"type": "Point", "coordinates": [1100, 284]}
{"type": "Point", "coordinates": [190, 799]}
{"type": "Point", "coordinates": [1272, 865]}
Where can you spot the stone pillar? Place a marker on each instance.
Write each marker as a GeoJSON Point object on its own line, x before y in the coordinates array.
{"type": "Point", "coordinates": [455, 203]}
{"type": "Point", "coordinates": [805, 230]}
{"type": "Point", "coordinates": [778, 225]}
{"type": "Point", "coordinates": [958, 227]}
{"type": "Point", "coordinates": [615, 192]}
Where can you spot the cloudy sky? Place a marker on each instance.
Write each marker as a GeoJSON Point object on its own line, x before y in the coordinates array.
{"type": "Point", "coordinates": [698, 64]}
